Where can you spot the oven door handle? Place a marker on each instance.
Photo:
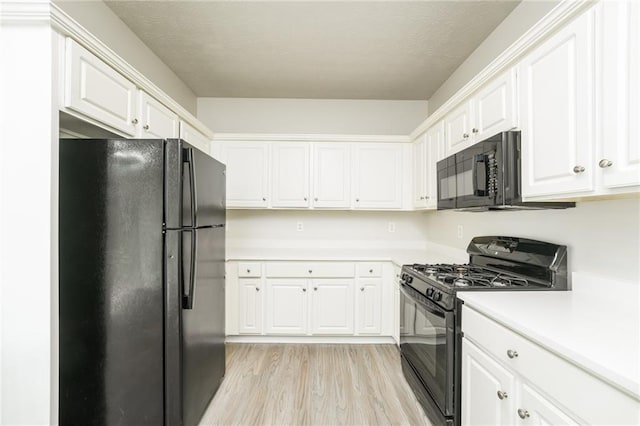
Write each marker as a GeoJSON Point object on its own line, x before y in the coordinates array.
{"type": "Point", "coordinates": [423, 303]}
{"type": "Point", "coordinates": [477, 191]}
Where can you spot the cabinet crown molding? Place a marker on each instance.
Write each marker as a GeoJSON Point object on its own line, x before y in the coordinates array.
{"type": "Point", "coordinates": [307, 137]}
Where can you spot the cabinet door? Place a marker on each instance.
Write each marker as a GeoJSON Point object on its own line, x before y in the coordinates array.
{"type": "Point", "coordinates": [435, 153]}
{"type": "Point", "coordinates": [247, 173]}
{"type": "Point", "coordinates": [488, 390]}
{"type": "Point", "coordinates": [332, 306]}
{"type": "Point", "coordinates": [331, 177]}
{"type": "Point", "coordinates": [369, 305]}
{"type": "Point", "coordinates": [290, 174]}
{"type": "Point", "coordinates": [536, 410]}
{"type": "Point", "coordinates": [377, 175]}
{"type": "Point", "coordinates": [495, 107]}
{"type": "Point", "coordinates": [250, 305]}
{"type": "Point", "coordinates": [194, 137]}
{"type": "Point", "coordinates": [287, 306]}
{"type": "Point", "coordinates": [420, 167]}
{"type": "Point", "coordinates": [156, 120]}
{"type": "Point", "coordinates": [620, 155]}
{"type": "Point", "coordinates": [458, 129]}
{"type": "Point", "coordinates": [95, 90]}
{"type": "Point", "coordinates": [556, 106]}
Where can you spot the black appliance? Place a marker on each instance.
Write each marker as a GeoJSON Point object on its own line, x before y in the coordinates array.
{"type": "Point", "coordinates": [141, 273]}
{"type": "Point", "coordinates": [430, 335]}
{"type": "Point", "coordinates": [486, 176]}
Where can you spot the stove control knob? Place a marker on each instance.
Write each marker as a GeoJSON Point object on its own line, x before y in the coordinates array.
{"type": "Point", "coordinates": [403, 277]}
{"type": "Point", "coordinates": [409, 279]}
{"type": "Point", "coordinates": [429, 292]}
{"type": "Point", "coordinates": [437, 296]}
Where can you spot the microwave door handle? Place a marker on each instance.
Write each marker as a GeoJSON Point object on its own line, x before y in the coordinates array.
{"type": "Point", "coordinates": [189, 158]}
{"type": "Point", "coordinates": [479, 158]}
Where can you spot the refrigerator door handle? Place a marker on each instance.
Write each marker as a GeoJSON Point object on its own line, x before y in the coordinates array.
{"type": "Point", "coordinates": [189, 158]}
{"type": "Point", "coordinates": [187, 298]}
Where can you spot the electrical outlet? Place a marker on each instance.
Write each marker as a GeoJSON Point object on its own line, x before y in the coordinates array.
{"type": "Point", "coordinates": [460, 231]}
{"type": "Point", "coordinates": [392, 227]}
{"type": "Point", "coordinates": [299, 226]}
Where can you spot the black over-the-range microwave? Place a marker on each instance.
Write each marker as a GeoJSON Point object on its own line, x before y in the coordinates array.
{"type": "Point", "coordinates": [486, 176]}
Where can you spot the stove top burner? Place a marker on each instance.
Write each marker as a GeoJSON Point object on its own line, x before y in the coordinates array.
{"type": "Point", "coordinates": [463, 276]}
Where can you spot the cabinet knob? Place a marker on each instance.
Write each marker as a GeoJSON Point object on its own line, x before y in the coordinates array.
{"type": "Point", "coordinates": [502, 395]}
{"type": "Point", "coordinates": [523, 414]}
{"type": "Point", "coordinates": [264, 199]}
{"type": "Point", "coordinates": [422, 198]}
{"type": "Point", "coordinates": [134, 121]}
{"type": "Point", "coordinates": [604, 163]}
{"type": "Point", "coordinates": [371, 271]}
{"type": "Point", "coordinates": [310, 271]}
{"type": "Point", "coordinates": [512, 354]}
{"type": "Point", "coordinates": [357, 200]}
{"type": "Point", "coordinates": [248, 271]}
{"type": "Point", "coordinates": [426, 197]}
{"type": "Point", "coordinates": [361, 288]}
{"type": "Point", "coordinates": [315, 289]}
{"type": "Point", "coordinates": [474, 130]}
{"type": "Point", "coordinates": [465, 135]}
{"type": "Point", "coordinates": [315, 199]}
{"type": "Point", "coordinates": [146, 127]}
{"type": "Point", "coordinates": [305, 198]}
{"type": "Point", "coordinates": [578, 169]}
{"type": "Point", "coordinates": [304, 289]}
{"type": "Point", "coordinates": [257, 288]}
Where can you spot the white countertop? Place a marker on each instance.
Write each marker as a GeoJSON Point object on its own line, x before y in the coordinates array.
{"type": "Point", "coordinates": [595, 326]}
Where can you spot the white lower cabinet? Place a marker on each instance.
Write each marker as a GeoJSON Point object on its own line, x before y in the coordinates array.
{"type": "Point", "coordinates": [251, 291]}
{"type": "Point", "coordinates": [310, 298]}
{"type": "Point", "coordinates": [286, 307]}
{"type": "Point", "coordinates": [487, 389]}
{"type": "Point", "coordinates": [369, 305]}
{"type": "Point", "coordinates": [332, 306]}
{"type": "Point", "coordinates": [508, 379]}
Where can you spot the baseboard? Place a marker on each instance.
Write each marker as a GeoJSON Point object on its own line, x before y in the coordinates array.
{"type": "Point", "coordinates": [351, 340]}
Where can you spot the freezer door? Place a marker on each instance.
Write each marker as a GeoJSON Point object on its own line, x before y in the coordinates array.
{"type": "Point", "coordinates": [111, 282]}
{"type": "Point", "coordinates": [203, 357]}
{"type": "Point", "coordinates": [196, 187]}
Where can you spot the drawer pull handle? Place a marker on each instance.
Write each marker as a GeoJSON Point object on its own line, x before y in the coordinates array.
{"type": "Point", "coordinates": [257, 288]}
{"type": "Point", "coordinates": [512, 354]}
{"type": "Point", "coordinates": [371, 271]}
{"type": "Point", "coordinates": [310, 271]}
{"type": "Point", "coordinates": [134, 121]}
{"type": "Point", "coordinates": [248, 271]}
{"type": "Point", "coordinates": [578, 169]}
{"type": "Point", "coordinates": [523, 413]}
{"type": "Point", "coordinates": [304, 289]}
{"type": "Point", "coordinates": [361, 288]}
{"type": "Point", "coordinates": [315, 289]}
{"type": "Point", "coordinates": [604, 163]}
{"type": "Point", "coordinates": [502, 395]}
{"type": "Point", "coordinates": [145, 127]}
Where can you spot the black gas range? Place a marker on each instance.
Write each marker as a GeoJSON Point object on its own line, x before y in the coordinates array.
{"type": "Point", "coordinates": [430, 335]}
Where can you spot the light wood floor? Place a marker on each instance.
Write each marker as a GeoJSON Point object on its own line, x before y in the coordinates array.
{"type": "Point", "coordinates": [267, 384]}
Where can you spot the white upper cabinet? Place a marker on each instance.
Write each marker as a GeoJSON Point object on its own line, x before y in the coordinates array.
{"type": "Point", "coordinates": [156, 120]}
{"type": "Point", "coordinates": [95, 90]}
{"type": "Point", "coordinates": [489, 111]}
{"type": "Point", "coordinates": [247, 173]}
{"type": "Point", "coordinates": [495, 107]}
{"type": "Point", "coordinates": [619, 158]}
{"type": "Point", "coordinates": [557, 103]}
{"type": "Point", "coordinates": [428, 150]}
{"type": "Point", "coordinates": [377, 175]}
{"type": "Point", "coordinates": [194, 137]}
{"type": "Point", "coordinates": [290, 174]}
{"type": "Point", "coordinates": [331, 177]}
{"type": "Point", "coordinates": [458, 125]}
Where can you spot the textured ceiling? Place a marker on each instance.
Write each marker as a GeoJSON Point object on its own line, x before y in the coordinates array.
{"type": "Point", "coordinates": [313, 49]}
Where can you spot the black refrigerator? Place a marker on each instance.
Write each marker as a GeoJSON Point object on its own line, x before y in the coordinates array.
{"type": "Point", "coordinates": [141, 281]}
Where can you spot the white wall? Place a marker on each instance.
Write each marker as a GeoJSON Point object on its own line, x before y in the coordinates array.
{"type": "Point", "coordinates": [318, 116]}
{"type": "Point", "coordinates": [272, 229]}
{"type": "Point", "coordinates": [603, 237]}
{"type": "Point", "coordinates": [96, 17]}
{"type": "Point", "coordinates": [523, 17]}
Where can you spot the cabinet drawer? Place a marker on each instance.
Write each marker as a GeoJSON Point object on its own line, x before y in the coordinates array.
{"type": "Point", "coordinates": [249, 269]}
{"type": "Point", "coordinates": [310, 269]}
{"type": "Point", "coordinates": [572, 387]}
{"type": "Point", "coordinates": [369, 269]}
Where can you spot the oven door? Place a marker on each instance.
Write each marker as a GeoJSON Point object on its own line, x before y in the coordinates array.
{"type": "Point", "coordinates": [427, 341]}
